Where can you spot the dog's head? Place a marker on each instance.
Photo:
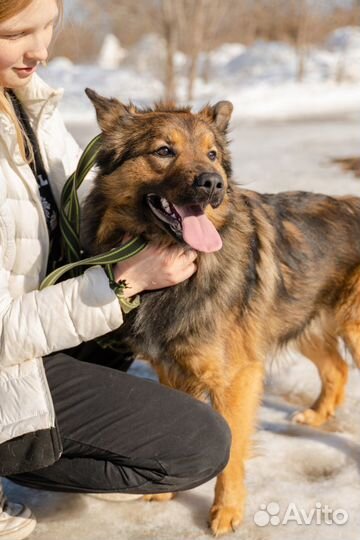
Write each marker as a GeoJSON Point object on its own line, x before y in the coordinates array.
{"type": "Point", "coordinates": [163, 174]}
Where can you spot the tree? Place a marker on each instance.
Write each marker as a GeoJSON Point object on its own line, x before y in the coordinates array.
{"type": "Point", "coordinates": [301, 42]}
{"type": "Point", "coordinates": [169, 11]}
{"type": "Point", "coordinates": [204, 19]}
{"type": "Point", "coordinates": [196, 27]}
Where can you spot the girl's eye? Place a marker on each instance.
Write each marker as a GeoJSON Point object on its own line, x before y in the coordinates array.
{"type": "Point", "coordinates": [212, 155]}
{"type": "Point", "coordinates": [165, 151]}
{"type": "Point", "coordinates": [14, 36]}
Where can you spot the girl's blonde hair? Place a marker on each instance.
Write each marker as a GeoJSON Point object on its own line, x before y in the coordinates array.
{"type": "Point", "coordinates": [8, 9]}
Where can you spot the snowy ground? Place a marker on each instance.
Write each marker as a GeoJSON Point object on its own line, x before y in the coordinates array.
{"type": "Point", "coordinates": [260, 79]}
{"type": "Point", "coordinates": [284, 136]}
{"type": "Point", "coordinates": [297, 468]}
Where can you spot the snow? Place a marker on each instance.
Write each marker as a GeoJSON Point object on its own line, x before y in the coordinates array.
{"type": "Point", "coordinates": [344, 38]}
{"type": "Point", "coordinates": [61, 64]}
{"type": "Point", "coordinates": [263, 61]}
{"type": "Point", "coordinates": [295, 468]}
{"type": "Point", "coordinates": [226, 53]}
{"type": "Point", "coordinates": [111, 53]}
{"type": "Point", "coordinates": [260, 80]}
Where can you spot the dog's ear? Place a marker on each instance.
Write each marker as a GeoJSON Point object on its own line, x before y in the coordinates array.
{"type": "Point", "coordinates": [108, 111]}
{"type": "Point", "coordinates": [220, 114]}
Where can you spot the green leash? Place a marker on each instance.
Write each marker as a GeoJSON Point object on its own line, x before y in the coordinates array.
{"type": "Point", "coordinates": [70, 229]}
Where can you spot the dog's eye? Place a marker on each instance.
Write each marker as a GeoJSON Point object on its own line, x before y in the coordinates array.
{"type": "Point", "coordinates": [165, 151]}
{"type": "Point", "coordinates": [212, 155]}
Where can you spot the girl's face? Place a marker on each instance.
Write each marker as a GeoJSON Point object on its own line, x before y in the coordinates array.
{"type": "Point", "coordinates": [24, 42]}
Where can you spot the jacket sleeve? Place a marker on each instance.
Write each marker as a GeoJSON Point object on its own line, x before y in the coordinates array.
{"type": "Point", "coordinates": [38, 323]}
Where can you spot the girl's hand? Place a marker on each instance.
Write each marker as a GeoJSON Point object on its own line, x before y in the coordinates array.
{"type": "Point", "coordinates": [155, 268]}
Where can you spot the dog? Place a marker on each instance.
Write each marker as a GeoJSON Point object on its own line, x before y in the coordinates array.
{"type": "Point", "coordinates": [272, 270]}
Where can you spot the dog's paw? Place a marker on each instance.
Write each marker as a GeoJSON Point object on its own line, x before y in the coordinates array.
{"type": "Point", "coordinates": [159, 497]}
{"type": "Point", "coordinates": [310, 417]}
{"type": "Point", "coordinates": [224, 519]}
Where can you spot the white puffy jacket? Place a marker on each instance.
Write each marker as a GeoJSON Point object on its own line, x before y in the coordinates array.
{"type": "Point", "coordinates": [36, 323]}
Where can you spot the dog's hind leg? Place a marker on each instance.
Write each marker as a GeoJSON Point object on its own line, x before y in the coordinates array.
{"type": "Point", "coordinates": [333, 371]}
{"type": "Point", "coordinates": [351, 337]}
{"type": "Point", "coordinates": [323, 351]}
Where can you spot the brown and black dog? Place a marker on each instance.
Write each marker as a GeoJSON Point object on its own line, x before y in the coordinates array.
{"type": "Point", "coordinates": [272, 270]}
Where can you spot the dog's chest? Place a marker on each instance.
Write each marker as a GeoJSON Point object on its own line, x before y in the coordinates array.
{"type": "Point", "coordinates": [171, 320]}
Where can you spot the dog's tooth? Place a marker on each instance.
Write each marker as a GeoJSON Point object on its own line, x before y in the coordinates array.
{"type": "Point", "coordinates": [165, 204]}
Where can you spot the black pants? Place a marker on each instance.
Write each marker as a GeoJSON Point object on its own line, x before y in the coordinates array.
{"type": "Point", "coordinates": [121, 433]}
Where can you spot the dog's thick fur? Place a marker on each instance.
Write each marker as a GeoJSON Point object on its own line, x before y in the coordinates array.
{"type": "Point", "coordinates": [288, 272]}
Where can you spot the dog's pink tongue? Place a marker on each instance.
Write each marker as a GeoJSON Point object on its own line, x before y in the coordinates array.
{"type": "Point", "coordinates": [198, 231]}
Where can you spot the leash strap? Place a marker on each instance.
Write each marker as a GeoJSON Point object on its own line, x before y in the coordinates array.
{"type": "Point", "coordinates": [70, 229]}
{"type": "Point", "coordinates": [70, 206]}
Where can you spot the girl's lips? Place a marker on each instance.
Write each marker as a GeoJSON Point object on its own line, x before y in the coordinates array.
{"type": "Point", "coordinates": [25, 72]}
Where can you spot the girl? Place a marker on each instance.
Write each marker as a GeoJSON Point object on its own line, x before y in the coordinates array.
{"type": "Point", "coordinates": [65, 424]}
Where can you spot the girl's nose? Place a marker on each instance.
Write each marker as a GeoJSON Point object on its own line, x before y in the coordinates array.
{"type": "Point", "coordinates": [40, 54]}
{"type": "Point", "coordinates": [39, 50]}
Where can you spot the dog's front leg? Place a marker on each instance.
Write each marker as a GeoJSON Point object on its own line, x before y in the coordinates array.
{"type": "Point", "coordinates": [238, 403]}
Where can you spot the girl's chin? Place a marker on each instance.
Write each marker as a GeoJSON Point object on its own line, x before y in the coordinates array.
{"type": "Point", "coordinates": [15, 82]}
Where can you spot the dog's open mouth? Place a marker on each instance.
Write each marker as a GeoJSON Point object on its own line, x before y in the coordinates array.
{"type": "Point", "coordinates": [189, 223]}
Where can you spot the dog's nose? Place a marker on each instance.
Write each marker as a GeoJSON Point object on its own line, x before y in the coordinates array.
{"type": "Point", "coordinates": [211, 182]}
